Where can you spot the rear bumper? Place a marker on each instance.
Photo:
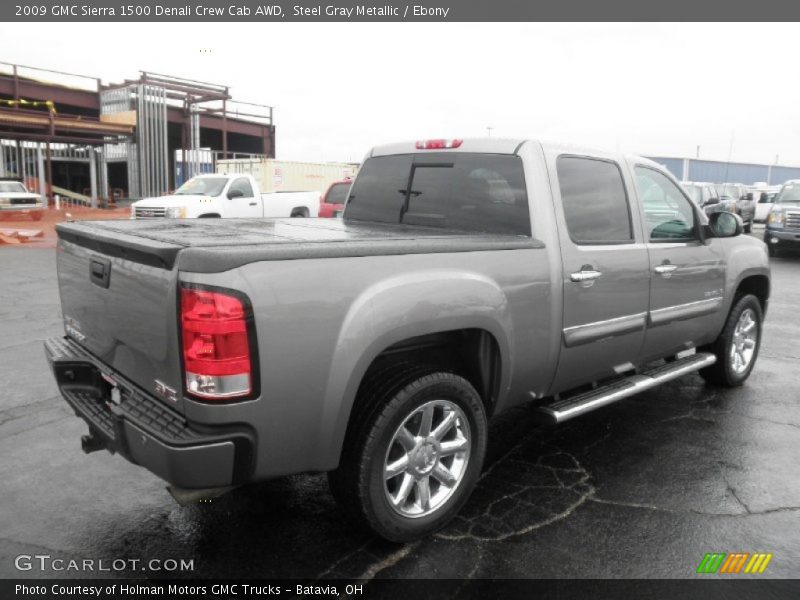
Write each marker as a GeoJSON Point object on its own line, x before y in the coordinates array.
{"type": "Point", "coordinates": [784, 237]}
{"type": "Point", "coordinates": [142, 429]}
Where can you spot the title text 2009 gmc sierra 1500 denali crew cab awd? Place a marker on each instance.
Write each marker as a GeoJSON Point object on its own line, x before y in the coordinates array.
{"type": "Point", "coordinates": [466, 277]}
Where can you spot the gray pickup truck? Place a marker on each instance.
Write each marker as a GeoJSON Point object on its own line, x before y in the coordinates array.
{"type": "Point", "coordinates": [466, 277]}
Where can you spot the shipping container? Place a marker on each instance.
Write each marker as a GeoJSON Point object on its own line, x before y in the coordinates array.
{"type": "Point", "coordinates": [289, 176]}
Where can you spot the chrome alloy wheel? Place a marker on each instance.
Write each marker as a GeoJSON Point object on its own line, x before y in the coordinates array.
{"type": "Point", "coordinates": [743, 343]}
{"type": "Point", "coordinates": [427, 458]}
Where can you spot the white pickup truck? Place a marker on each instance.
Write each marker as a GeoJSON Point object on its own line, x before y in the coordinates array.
{"type": "Point", "coordinates": [226, 196]}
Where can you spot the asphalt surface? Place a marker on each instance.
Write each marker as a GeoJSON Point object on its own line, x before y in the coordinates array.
{"type": "Point", "coordinates": [643, 488]}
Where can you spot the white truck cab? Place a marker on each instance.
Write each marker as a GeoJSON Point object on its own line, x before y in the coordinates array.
{"type": "Point", "coordinates": [228, 197]}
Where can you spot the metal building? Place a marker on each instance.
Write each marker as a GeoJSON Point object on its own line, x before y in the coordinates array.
{"type": "Point", "coordinates": [92, 142]}
{"type": "Point", "coordinates": [695, 169]}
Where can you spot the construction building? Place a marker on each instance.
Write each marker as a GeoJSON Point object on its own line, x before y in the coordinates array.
{"type": "Point", "coordinates": [94, 142]}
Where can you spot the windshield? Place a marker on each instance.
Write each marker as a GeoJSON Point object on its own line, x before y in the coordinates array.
{"type": "Point", "coordinates": [731, 191]}
{"type": "Point", "coordinates": [695, 193]}
{"type": "Point", "coordinates": [338, 193]}
{"type": "Point", "coordinates": [9, 187]}
{"type": "Point", "coordinates": [790, 193]}
{"type": "Point", "coordinates": [202, 186]}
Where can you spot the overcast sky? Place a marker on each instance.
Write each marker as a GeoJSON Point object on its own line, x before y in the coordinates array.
{"type": "Point", "coordinates": [338, 89]}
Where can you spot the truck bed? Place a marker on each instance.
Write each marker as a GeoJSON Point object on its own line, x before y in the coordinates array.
{"type": "Point", "coordinates": [215, 245]}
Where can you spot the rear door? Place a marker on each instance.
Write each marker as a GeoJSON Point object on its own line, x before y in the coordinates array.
{"type": "Point", "coordinates": [605, 273]}
{"type": "Point", "coordinates": [246, 206]}
{"type": "Point", "coordinates": [687, 275]}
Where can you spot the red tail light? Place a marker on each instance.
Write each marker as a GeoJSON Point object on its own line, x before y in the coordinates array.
{"type": "Point", "coordinates": [438, 144]}
{"type": "Point", "coordinates": [217, 353]}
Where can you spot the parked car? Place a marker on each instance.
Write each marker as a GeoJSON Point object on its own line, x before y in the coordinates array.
{"type": "Point", "coordinates": [466, 277]}
{"type": "Point", "coordinates": [226, 196]}
{"type": "Point", "coordinates": [704, 195]}
{"type": "Point", "coordinates": [765, 197]}
{"type": "Point", "coordinates": [745, 205]}
{"type": "Point", "coordinates": [16, 200]}
{"type": "Point", "coordinates": [783, 222]}
{"type": "Point", "coordinates": [335, 197]}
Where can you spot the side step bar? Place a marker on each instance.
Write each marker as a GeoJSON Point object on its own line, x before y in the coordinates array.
{"type": "Point", "coordinates": [568, 408]}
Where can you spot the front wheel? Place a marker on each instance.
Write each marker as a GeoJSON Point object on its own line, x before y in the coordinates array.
{"type": "Point", "coordinates": [737, 346]}
{"type": "Point", "coordinates": [410, 465]}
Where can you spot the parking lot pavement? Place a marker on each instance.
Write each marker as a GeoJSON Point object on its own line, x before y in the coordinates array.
{"type": "Point", "coordinates": [643, 488]}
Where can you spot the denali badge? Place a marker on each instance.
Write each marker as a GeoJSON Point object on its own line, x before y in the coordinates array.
{"type": "Point", "coordinates": [165, 391]}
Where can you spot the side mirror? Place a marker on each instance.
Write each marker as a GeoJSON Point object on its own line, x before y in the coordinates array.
{"type": "Point", "coordinates": [725, 224]}
{"type": "Point", "coordinates": [711, 201]}
{"type": "Point", "coordinates": [235, 194]}
{"type": "Point", "coordinates": [764, 198]}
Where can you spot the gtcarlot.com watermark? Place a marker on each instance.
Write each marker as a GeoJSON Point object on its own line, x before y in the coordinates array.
{"type": "Point", "coordinates": [45, 562]}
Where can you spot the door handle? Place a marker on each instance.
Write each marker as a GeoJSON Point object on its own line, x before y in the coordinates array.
{"type": "Point", "coordinates": [253, 204]}
{"type": "Point", "coordinates": [585, 275]}
{"type": "Point", "coordinates": [665, 269]}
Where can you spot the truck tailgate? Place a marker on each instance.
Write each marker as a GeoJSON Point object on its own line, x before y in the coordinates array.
{"type": "Point", "coordinates": [118, 297]}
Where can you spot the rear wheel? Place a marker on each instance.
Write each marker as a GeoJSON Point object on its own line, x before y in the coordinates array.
{"type": "Point", "coordinates": [737, 346]}
{"type": "Point", "coordinates": [412, 461]}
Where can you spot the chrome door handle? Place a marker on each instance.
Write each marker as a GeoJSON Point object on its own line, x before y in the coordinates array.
{"type": "Point", "coordinates": [665, 269]}
{"type": "Point", "coordinates": [585, 276]}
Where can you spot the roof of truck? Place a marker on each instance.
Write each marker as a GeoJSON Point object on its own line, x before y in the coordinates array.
{"type": "Point", "coordinates": [498, 146]}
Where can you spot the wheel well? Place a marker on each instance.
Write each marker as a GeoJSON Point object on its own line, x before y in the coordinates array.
{"type": "Point", "coordinates": [209, 216]}
{"type": "Point", "coordinates": [299, 211]}
{"type": "Point", "coordinates": [758, 285]}
{"type": "Point", "coordinates": [472, 353]}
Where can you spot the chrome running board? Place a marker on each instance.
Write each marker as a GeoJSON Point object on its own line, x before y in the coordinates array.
{"type": "Point", "coordinates": [568, 408]}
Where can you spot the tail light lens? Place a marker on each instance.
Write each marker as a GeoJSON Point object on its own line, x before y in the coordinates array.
{"type": "Point", "coordinates": [217, 352]}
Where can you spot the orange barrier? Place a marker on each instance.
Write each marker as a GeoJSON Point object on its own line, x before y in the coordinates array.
{"type": "Point", "coordinates": [42, 234]}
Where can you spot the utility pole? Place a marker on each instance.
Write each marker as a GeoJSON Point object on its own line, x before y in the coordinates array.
{"type": "Point", "coordinates": [489, 131]}
{"type": "Point", "coordinates": [697, 155]}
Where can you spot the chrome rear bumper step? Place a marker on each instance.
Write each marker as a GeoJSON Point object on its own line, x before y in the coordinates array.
{"type": "Point", "coordinates": [568, 408]}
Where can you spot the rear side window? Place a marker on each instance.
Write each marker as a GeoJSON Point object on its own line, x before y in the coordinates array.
{"type": "Point", "coordinates": [594, 199]}
{"type": "Point", "coordinates": [461, 191]}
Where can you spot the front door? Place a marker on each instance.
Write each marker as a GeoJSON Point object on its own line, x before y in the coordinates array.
{"type": "Point", "coordinates": [605, 273]}
{"type": "Point", "coordinates": [246, 206]}
{"type": "Point", "coordinates": [687, 275]}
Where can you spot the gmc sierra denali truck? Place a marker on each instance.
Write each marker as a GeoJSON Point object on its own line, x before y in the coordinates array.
{"type": "Point", "coordinates": [466, 277]}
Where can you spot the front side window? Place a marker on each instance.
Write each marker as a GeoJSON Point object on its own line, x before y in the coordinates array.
{"type": "Point", "coordinates": [667, 212]}
{"type": "Point", "coordinates": [594, 200]}
{"type": "Point", "coordinates": [243, 185]}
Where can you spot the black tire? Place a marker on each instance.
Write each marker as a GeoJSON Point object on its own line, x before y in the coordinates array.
{"type": "Point", "coordinates": [748, 227]}
{"type": "Point", "coordinates": [772, 249]}
{"type": "Point", "coordinates": [386, 400]}
{"type": "Point", "coordinates": [723, 372]}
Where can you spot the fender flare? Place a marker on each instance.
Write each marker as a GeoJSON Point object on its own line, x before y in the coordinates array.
{"type": "Point", "coordinates": [402, 307]}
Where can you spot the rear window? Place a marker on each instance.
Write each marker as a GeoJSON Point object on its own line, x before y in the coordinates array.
{"type": "Point", "coordinates": [463, 191]}
{"type": "Point", "coordinates": [337, 194]}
